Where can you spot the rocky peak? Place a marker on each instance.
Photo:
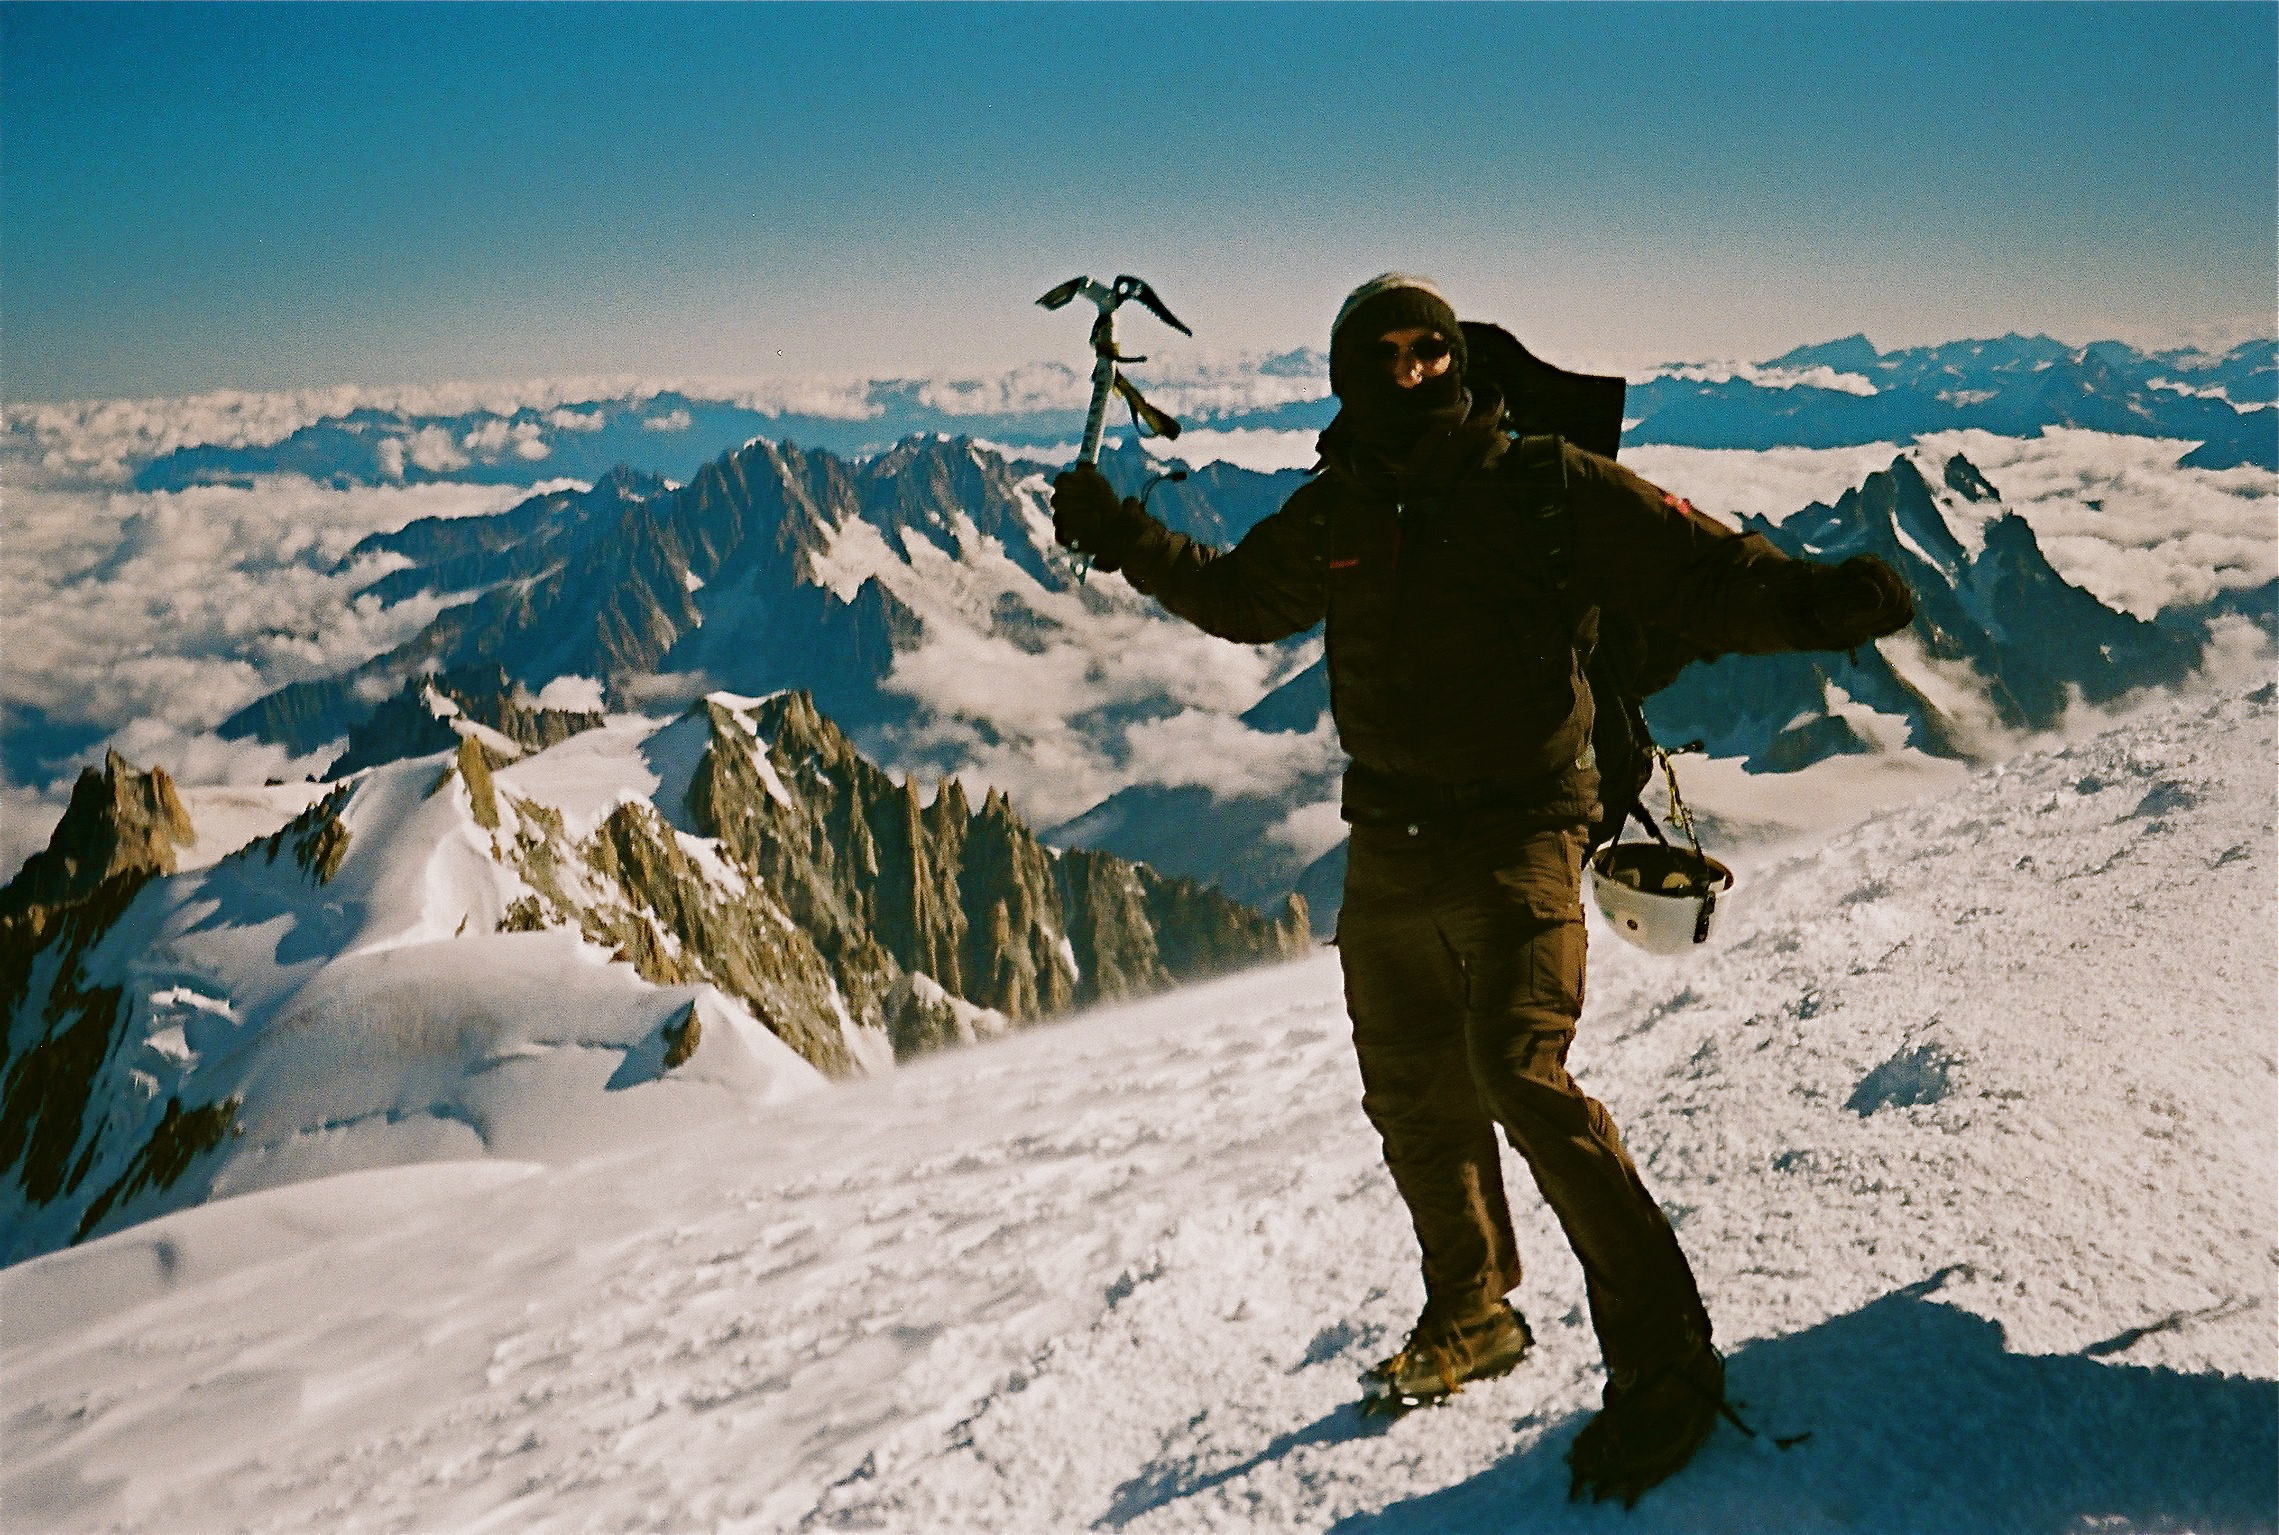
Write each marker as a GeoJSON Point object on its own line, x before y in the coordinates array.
{"type": "Point", "coordinates": [1917, 520]}
{"type": "Point", "coordinates": [1849, 354]}
{"type": "Point", "coordinates": [891, 885]}
{"type": "Point", "coordinates": [119, 821]}
{"type": "Point", "coordinates": [433, 712]}
{"type": "Point", "coordinates": [627, 483]}
{"type": "Point", "coordinates": [1964, 480]}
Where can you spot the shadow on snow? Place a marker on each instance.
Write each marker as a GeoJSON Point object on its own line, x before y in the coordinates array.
{"type": "Point", "coordinates": [1159, 1483]}
{"type": "Point", "coordinates": [1921, 1420]}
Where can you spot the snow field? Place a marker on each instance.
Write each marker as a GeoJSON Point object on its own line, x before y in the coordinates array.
{"type": "Point", "coordinates": [1966, 1120]}
{"type": "Point", "coordinates": [379, 1017]}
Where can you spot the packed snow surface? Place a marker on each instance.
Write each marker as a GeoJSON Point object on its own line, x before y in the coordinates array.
{"type": "Point", "coordinates": [1966, 1119]}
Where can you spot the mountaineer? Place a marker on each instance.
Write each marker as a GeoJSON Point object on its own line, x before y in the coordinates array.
{"type": "Point", "coordinates": [1457, 636]}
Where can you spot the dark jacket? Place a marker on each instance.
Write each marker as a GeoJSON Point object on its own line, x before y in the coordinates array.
{"type": "Point", "coordinates": [1455, 666]}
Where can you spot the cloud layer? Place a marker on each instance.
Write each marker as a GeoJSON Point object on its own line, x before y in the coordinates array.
{"type": "Point", "coordinates": [146, 619]}
{"type": "Point", "coordinates": [104, 441]}
{"type": "Point", "coordinates": [2117, 516]}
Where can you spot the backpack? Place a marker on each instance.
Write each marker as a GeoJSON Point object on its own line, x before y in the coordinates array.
{"type": "Point", "coordinates": [1625, 660]}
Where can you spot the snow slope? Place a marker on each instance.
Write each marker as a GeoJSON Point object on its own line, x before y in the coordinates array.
{"type": "Point", "coordinates": [1967, 1120]}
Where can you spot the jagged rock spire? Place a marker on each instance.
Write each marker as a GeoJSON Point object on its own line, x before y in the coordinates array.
{"type": "Point", "coordinates": [120, 820]}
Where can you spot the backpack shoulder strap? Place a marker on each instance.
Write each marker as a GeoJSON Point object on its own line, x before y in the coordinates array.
{"type": "Point", "coordinates": [1540, 466]}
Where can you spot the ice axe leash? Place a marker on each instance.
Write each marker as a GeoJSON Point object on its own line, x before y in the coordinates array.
{"type": "Point", "coordinates": [1107, 377]}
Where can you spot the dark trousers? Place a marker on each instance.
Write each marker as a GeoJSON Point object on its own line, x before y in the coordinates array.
{"type": "Point", "coordinates": [1463, 951]}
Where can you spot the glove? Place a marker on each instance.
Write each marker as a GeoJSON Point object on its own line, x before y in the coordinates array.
{"type": "Point", "coordinates": [1859, 600]}
{"type": "Point", "coordinates": [1087, 517]}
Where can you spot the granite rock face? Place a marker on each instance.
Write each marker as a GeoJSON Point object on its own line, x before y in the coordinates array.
{"type": "Point", "coordinates": [61, 1023]}
{"type": "Point", "coordinates": [120, 822]}
{"type": "Point", "coordinates": [840, 904]}
{"type": "Point", "coordinates": [890, 884]}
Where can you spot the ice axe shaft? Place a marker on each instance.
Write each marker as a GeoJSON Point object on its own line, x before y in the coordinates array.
{"type": "Point", "coordinates": [1103, 385]}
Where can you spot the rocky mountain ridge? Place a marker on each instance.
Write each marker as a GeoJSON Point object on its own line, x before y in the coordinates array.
{"type": "Point", "coordinates": [723, 576]}
{"type": "Point", "coordinates": [443, 951]}
{"type": "Point", "coordinates": [435, 711]}
{"type": "Point", "coordinates": [2033, 642]}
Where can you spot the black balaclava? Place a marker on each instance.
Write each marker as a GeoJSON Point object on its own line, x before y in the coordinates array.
{"type": "Point", "coordinates": [1377, 412]}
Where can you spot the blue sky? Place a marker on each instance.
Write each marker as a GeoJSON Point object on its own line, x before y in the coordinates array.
{"type": "Point", "coordinates": [294, 196]}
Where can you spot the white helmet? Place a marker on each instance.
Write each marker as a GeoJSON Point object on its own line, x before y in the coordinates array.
{"type": "Point", "coordinates": [1662, 898]}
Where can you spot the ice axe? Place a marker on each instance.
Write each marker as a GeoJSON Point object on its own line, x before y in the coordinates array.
{"type": "Point", "coordinates": [1106, 379]}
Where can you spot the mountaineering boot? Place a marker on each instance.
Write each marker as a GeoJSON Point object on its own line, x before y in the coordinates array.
{"type": "Point", "coordinates": [1442, 1354]}
{"type": "Point", "coordinates": [1649, 1426]}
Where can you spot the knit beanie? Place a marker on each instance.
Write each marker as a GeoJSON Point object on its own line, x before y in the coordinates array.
{"type": "Point", "coordinates": [1386, 302]}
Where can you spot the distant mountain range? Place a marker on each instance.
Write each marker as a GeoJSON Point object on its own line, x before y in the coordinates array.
{"type": "Point", "coordinates": [773, 567]}
{"type": "Point", "coordinates": [664, 811]}
{"type": "Point", "coordinates": [1846, 393]}
{"type": "Point", "coordinates": [640, 819]}
{"type": "Point", "coordinates": [1839, 393]}
{"type": "Point", "coordinates": [781, 568]}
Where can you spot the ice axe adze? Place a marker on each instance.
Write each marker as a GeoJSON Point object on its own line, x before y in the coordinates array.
{"type": "Point", "coordinates": [1106, 379]}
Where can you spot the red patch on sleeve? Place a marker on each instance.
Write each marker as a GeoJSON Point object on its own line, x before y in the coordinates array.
{"type": "Point", "coordinates": [1343, 564]}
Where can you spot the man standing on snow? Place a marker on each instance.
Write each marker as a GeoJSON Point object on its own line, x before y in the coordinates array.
{"type": "Point", "coordinates": [1456, 645]}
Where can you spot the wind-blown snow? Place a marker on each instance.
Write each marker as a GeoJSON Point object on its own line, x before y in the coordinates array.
{"type": "Point", "coordinates": [1966, 1120]}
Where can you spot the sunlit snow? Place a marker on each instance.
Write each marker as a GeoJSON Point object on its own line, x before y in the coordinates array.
{"type": "Point", "coordinates": [1966, 1119]}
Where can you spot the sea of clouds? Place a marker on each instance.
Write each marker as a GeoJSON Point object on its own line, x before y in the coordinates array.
{"type": "Point", "coordinates": [142, 619]}
{"type": "Point", "coordinates": [145, 619]}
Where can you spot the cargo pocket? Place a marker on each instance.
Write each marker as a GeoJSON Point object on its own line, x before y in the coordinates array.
{"type": "Point", "coordinates": [1553, 973]}
{"type": "Point", "coordinates": [1541, 874]}
{"type": "Point", "coordinates": [1539, 879]}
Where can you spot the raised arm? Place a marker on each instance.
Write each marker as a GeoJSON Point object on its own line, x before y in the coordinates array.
{"type": "Point", "coordinates": [1646, 553]}
{"type": "Point", "coordinates": [1268, 587]}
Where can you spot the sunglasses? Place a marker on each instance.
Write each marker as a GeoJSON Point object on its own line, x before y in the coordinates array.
{"type": "Point", "coordinates": [1425, 349]}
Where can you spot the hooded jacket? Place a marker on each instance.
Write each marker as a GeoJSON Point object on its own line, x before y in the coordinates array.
{"type": "Point", "coordinates": [1455, 662]}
